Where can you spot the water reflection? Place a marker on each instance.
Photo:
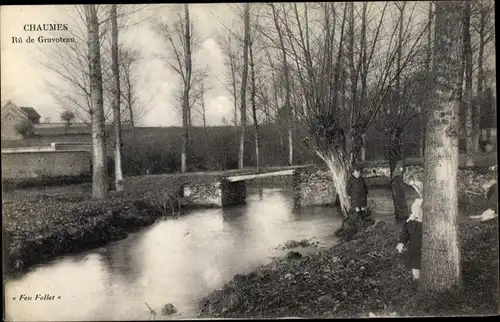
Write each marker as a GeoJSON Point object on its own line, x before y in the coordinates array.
{"type": "Point", "coordinates": [174, 261]}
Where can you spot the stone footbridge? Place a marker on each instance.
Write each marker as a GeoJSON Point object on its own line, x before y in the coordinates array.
{"type": "Point", "coordinates": [313, 185]}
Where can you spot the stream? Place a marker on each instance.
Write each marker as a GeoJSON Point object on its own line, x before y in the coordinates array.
{"type": "Point", "coordinates": [176, 261]}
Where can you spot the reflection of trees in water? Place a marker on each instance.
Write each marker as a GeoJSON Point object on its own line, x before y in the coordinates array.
{"type": "Point", "coordinates": [121, 261]}
{"type": "Point", "coordinates": [235, 223]}
{"type": "Point", "coordinates": [235, 230]}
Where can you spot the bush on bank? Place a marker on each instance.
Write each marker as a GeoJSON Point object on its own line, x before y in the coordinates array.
{"type": "Point", "coordinates": [365, 275]}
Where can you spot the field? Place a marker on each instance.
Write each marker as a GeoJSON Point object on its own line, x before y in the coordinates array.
{"type": "Point", "coordinates": [157, 150]}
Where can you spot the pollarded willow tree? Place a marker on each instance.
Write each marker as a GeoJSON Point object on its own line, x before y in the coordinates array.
{"type": "Point", "coordinates": [345, 66]}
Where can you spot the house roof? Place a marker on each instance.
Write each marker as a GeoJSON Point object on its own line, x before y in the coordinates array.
{"type": "Point", "coordinates": [31, 112]}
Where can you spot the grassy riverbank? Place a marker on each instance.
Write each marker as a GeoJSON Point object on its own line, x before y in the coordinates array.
{"type": "Point", "coordinates": [365, 275]}
{"type": "Point", "coordinates": [39, 230]}
{"type": "Point", "coordinates": [41, 223]}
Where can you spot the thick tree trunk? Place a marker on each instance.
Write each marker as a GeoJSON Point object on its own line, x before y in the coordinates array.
{"type": "Point", "coordinates": [339, 167]}
{"type": "Point", "coordinates": [116, 100]}
{"type": "Point", "coordinates": [440, 252]}
{"type": "Point", "coordinates": [467, 97]}
{"type": "Point", "coordinates": [100, 188]}
{"type": "Point", "coordinates": [244, 77]}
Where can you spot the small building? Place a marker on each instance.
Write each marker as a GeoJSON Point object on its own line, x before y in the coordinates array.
{"type": "Point", "coordinates": [12, 115]}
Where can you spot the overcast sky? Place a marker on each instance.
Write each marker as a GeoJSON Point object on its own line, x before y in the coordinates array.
{"type": "Point", "coordinates": [24, 77]}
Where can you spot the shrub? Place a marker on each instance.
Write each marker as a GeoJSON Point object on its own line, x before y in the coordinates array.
{"type": "Point", "coordinates": [25, 128]}
{"type": "Point", "coordinates": [68, 117]}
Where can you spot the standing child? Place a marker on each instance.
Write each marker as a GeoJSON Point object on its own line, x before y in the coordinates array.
{"type": "Point", "coordinates": [357, 192]}
{"type": "Point", "coordinates": [411, 234]}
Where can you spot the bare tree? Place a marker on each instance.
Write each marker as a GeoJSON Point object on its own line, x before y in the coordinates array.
{"type": "Point", "coordinates": [203, 110]}
{"type": "Point", "coordinates": [440, 252]}
{"type": "Point", "coordinates": [197, 92]}
{"type": "Point", "coordinates": [116, 99]}
{"type": "Point", "coordinates": [288, 89]}
{"type": "Point", "coordinates": [338, 117]}
{"type": "Point", "coordinates": [231, 83]}
{"type": "Point", "coordinates": [486, 31]}
{"type": "Point", "coordinates": [403, 104]}
{"type": "Point", "coordinates": [428, 82]}
{"type": "Point", "coordinates": [467, 97]}
{"type": "Point", "coordinates": [179, 39]}
{"type": "Point", "coordinates": [243, 109]}
{"type": "Point", "coordinates": [71, 85]}
{"type": "Point", "coordinates": [200, 87]}
{"type": "Point", "coordinates": [100, 188]}
{"type": "Point", "coordinates": [253, 103]}
{"type": "Point", "coordinates": [68, 63]}
{"type": "Point", "coordinates": [132, 106]}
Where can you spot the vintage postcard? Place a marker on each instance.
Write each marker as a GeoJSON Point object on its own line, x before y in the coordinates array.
{"type": "Point", "coordinates": [249, 160]}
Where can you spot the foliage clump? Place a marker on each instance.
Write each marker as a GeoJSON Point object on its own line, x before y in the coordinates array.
{"type": "Point", "coordinates": [25, 128]}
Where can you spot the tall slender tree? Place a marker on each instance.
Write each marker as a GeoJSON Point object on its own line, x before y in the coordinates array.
{"type": "Point", "coordinates": [100, 188]}
{"type": "Point", "coordinates": [440, 252]}
{"type": "Point", "coordinates": [243, 92]}
{"type": "Point", "coordinates": [467, 94]}
{"type": "Point", "coordinates": [395, 125]}
{"type": "Point", "coordinates": [486, 30]}
{"type": "Point", "coordinates": [187, 86]}
{"type": "Point", "coordinates": [428, 81]}
{"type": "Point", "coordinates": [288, 88]}
{"type": "Point", "coordinates": [115, 67]}
{"type": "Point", "coordinates": [179, 37]}
{"type": "Point", "coordinates": [253, 103]}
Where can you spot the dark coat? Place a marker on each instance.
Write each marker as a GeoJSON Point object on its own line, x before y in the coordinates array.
{"type": "Point", "coordinates": [492, 196]}
{"type": "Point", "coordinates": [111, 167]}
{"type": "Point", "coordinates": [411, 234]}
{"type": "Point", "coordinates": [358, 191]}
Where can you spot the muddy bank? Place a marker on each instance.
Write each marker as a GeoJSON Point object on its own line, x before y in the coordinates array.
{"type": "Point", "coordinates": [362, 276]}
{"type": "Point", "coordinates": [42, 228]}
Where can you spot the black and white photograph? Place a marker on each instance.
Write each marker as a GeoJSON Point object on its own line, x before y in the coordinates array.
{"type": "Point", "coordinates": [250, 160]}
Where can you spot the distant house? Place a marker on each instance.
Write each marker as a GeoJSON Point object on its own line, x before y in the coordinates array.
{"type": "Point", "coordinates": [56, 131]}
{"type": "Point", "coordinates": [13, 115]}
